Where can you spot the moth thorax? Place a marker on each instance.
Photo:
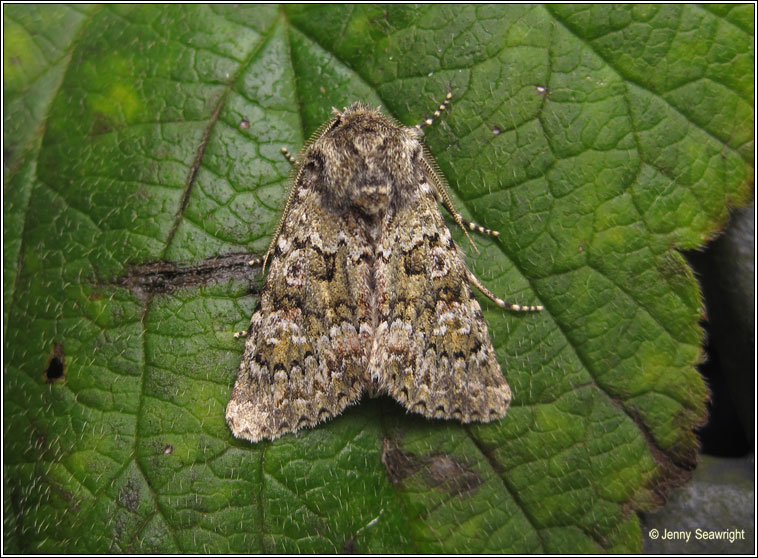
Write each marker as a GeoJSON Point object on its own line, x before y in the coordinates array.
{"type": "Point", "coordinates": [372, 192]}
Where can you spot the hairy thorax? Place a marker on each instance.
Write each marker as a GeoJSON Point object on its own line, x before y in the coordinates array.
{"type": "Point", "coordinates": [364, 163]}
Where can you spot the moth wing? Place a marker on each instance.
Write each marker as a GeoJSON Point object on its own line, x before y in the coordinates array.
{"type": "Point", "coordinates": [304, 360]}
{"type": "Point", "coordinates": [432, 351]}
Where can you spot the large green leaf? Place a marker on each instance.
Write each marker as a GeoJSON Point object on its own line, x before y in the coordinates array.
{"type": "Point", "coordinates": [598, 140]}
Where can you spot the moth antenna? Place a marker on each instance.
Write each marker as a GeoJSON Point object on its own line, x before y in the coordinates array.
{"type": "Point", "coordinates": [440, 192]}
{"type": "Point", "coordinates": [295, 177]}
{"type": "Point", "coordinates": [264, 262]}
{"type": "Point", "coordinates": [499, 301]}
{"type": "Point", "coordinates": [279, 227]}
{"type": "Point", "coordinates": [448, 203]}
{"type": "Point", "coordinates": [458, 219]}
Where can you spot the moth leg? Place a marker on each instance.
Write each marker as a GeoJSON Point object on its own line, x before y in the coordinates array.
{"type": "Point", "coordinates": [460, 220]}
{"type": "Point", "coordinates": [474, 227]}
{"type": "Point", "coordinates": [288, 156]}
{"type": "Point", "coordinates": [438, 182]}
{"type": "Point", "coordinates": [463, 222]}
{"type": "Point", "coordinates": [499, 301]}
{"type": "Point", "coordinates": [429, 121]}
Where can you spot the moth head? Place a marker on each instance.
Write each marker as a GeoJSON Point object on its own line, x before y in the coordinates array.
{"type": "Point", "coordinates": [363, 160]}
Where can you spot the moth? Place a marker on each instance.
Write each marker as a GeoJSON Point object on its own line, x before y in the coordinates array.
{"type": "Point", "coordinates": [366, 291]}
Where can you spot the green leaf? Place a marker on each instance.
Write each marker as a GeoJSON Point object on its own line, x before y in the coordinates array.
{"type": "Point", "coordinates": [597, 140]}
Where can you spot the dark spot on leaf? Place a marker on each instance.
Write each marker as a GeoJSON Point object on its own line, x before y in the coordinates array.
{"type": "Point", "coordinates": [100, 125]}
{"type": "Point", "coordinates": [440, 471]}
{"type": "Point", "coordinates": [129, 496]}
{"type": "Point", "coordinates": [56, 365]}
{"type": "Point", "coordinates": [119, 528]}
{"type": "Point", "coordinates": [349, 547]}
{"type": "Point", "coordinates": [398, 464]}
{"type": "Point", "coordinates": [166, 277]}
{"type": "Point", "coordinates": [72, 504]}
{"type": "Point", "coordinates": [447, 473]}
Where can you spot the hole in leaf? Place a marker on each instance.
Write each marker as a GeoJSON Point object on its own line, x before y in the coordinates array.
{"type": "Point", "coordinates": [56, 365]}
